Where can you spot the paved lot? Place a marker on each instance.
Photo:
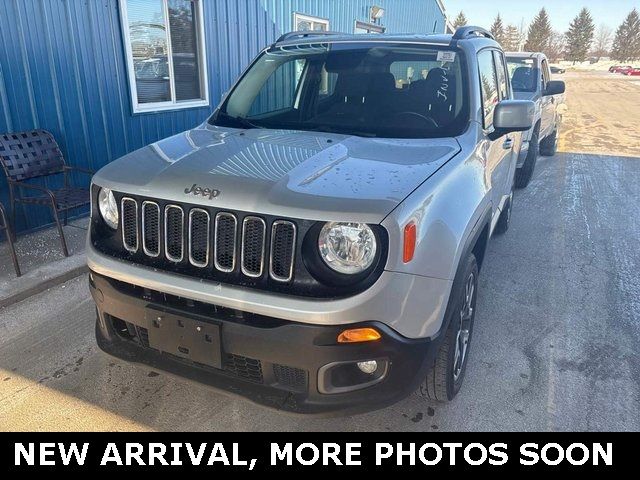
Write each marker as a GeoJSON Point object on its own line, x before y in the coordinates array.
{"type": "Point", "coordinates": [555, 344]}
{"type": "Point", "coordinates": [42, 261]}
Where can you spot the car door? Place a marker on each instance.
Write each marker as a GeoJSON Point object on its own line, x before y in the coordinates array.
{"type": "Point", "coordinates": [511, 144]}
{"type": "Point", "coordinates": [499, 152]}
{"type": "Point", "coordinates": [547, 102]}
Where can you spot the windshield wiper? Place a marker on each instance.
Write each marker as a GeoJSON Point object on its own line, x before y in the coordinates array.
{"type": "Point", "coordinates": [344, 131]}
{"type": "Point", "coordinates": [241, 121]}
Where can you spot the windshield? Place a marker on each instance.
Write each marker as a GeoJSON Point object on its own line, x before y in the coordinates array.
{"type": "Point", "coordinates": [367, 89]}
{"type": "Point", "coordinates": [523, 73]}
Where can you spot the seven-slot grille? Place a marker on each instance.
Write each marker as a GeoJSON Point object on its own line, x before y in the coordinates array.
{"type": "Point", "coordinates": [225, 242]}
{"type": "Point", "coordinates": [220, 242]}
{"type": "Point", "coordinates": [130, 224]}
{"type": "Point", "coordinates": [253, 240]}
{"type": "Point", "coordinates": [151, 228]}
{"type": "Point", "coordinates": [283, 240]}
{"type": "Point", "coordinates": [174, 233]}
{"type": "Point", "coordinates": [199, 227]}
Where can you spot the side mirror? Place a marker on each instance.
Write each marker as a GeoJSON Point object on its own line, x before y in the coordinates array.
{"type": "Point", "coordinates": [512, 116]}
{"type": "Point", "coordinates": [554, 87]}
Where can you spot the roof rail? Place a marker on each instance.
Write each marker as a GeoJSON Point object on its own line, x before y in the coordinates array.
{"type": "Point", "coordinates": [471, 31]}
{"type": "Point", "coordinates": [305, 33]}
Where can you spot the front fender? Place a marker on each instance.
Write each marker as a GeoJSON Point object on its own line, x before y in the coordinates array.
{"type": "Point", "coordinates": [446, 210]}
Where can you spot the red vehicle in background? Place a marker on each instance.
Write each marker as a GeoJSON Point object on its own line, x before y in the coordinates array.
{"type": "Point", "coordinates": [620, 68]}
{"type": "Point", "coordinates": [634, 72]}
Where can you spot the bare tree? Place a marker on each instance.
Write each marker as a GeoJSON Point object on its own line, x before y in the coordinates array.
{"type": "Point", "coordinates": [512, 39]}
{"type": "Point", "coordinates": [602, 41]}
{"type": "Point", "coordinates": [556, 48]}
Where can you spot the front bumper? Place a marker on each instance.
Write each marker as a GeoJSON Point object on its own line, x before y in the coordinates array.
{"type": "Point", "coordinates": [412, 305]}
{"type": "Point", "coordinates": [276, 363]}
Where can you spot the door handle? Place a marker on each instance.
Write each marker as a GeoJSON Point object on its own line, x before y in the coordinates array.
{"type": "Point", "coordinates": [508, 144]}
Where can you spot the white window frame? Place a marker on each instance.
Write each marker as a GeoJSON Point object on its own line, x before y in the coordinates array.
{"type": "Point", "coordinates": [172, 104]}
{"type": "Point", "coordinates": [308, 18]}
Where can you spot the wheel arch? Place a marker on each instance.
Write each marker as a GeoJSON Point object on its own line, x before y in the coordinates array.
{"type": "Point", "coordinates": [537, 124]}
{"type": "Point", "coordinates": [476, 243]}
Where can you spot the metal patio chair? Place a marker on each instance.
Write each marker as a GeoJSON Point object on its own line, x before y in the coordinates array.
{"type": "Point", "coordinates": [4, 225]}
{"type": "Point", "coordinates": [35, 154]}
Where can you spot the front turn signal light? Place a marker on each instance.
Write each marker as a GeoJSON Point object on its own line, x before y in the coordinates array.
{"type": "Point", "coordinates": [357, 335]}
{"type": "Point", "coordinates": [409, 242]}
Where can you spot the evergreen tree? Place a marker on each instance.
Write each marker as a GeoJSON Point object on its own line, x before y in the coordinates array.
{"type": "Point", "coordinates": [626, 44]}
{"type": "Point", "coordinates": [580, 36]}
{"type": "Point", "coordinates": [497, 30]}
{"type": "Point", "coordinates": [539, 34]}
{"type": "Point", "coordinates": [460, 20]}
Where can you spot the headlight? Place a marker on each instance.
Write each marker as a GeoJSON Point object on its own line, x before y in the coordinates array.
{"type": "Point", "coordinates": [347, 247]}
{"type": "Point", "coordinates": [108, 207]}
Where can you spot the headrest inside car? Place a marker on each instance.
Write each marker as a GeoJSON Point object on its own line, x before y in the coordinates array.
{"type": "Point", "coordinates": [525, 76]}
{"type": "Point", "coordinates": [341, 61]}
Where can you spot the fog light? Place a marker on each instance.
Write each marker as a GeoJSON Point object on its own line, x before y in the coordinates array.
{"type": "Point", "coordinates": [368, 367]}
{"type": "Point", "coordinates": [341, 377]}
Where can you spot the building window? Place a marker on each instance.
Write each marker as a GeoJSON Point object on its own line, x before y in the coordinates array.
{"type": "Point", "coordinates": [164, 42]}
{"type": "Point", "coordinates": [364, 27]}
{"type": "Point", "coordinates": [302, 22]}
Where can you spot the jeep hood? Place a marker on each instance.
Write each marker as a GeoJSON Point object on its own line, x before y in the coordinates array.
{"type": "Point", "coordinates": [317, 176]}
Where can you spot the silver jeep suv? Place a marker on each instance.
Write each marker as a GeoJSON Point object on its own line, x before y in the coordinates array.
{"type": "Point", "coordinates": [315, 245]}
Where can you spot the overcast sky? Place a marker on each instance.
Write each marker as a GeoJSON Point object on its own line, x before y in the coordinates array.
{"type": "Point", "coordinates": [561, 12]}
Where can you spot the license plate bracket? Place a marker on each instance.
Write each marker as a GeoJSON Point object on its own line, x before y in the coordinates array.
{"type": "Point", "coordinates": [184, 336]}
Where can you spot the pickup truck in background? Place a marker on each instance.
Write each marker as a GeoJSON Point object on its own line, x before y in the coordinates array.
{"type": "Point", "coordinates": [531, 80]}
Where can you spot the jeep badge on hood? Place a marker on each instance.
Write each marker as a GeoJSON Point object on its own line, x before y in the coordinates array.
{"type": "Point", "coordinates": [205, 192]}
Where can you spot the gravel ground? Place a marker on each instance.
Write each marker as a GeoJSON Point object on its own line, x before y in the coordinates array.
{"type": "Point", "coordinates": [603, 115]}
{"type": "Point", "coordinates": [554, 347]}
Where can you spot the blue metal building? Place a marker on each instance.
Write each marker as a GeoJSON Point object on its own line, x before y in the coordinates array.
{"type": "Point", "coordinates": [68, 66]}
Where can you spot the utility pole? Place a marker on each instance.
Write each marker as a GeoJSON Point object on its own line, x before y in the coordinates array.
{"type": "Point", "coordinates": [522, 36]}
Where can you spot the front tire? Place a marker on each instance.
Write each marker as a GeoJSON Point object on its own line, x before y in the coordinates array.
{"type": "Point", "coordinates": [505, 217]}
{"type": "Point", "coordinates": [445, 376]}
{"type": "Point", "coordinates": [525, 172]}
{"type": "Point", "coordinates": [549, 146]}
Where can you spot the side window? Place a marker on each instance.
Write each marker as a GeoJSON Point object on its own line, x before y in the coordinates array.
{"type": "Point", "coordinates": [503, 85]}
{"type": "Point", "coordinates": [545, 74]}
{"type": "Point", "coordinates": [488, 86]}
